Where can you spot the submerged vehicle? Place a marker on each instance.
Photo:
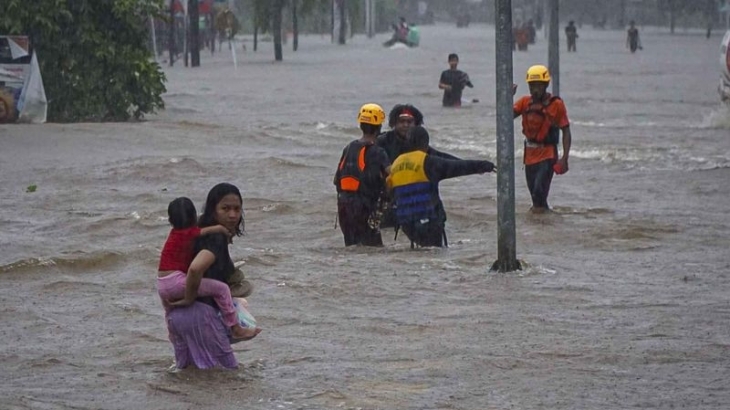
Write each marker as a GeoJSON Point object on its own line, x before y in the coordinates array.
{"type": "Point", "coordinates": [724, 88]}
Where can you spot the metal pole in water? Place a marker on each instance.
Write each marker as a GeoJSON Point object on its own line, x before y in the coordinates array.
{"type": "Point", "coordinates": [154, 37]}
{"type": "Point", "coordinates": [369, 18]}
{"type": "Point", "coordinates": [554, 47]}
{"type": "Point", "coordinates": [194, 21]}
{"type": "Point", "coordinates": [232, 46]}
{"type": "Point", "coordinates": [506, 237]}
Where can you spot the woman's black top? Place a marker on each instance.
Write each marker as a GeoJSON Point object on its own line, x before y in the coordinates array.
{"type": "Point", "coordinates": [223, 266]}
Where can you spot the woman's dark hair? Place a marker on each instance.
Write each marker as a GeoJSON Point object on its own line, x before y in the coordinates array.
{"type": "Point", "coordinates": [370, 128]}
{"type": "Point", "coordinates": [181, 213]}
{"type": "Point", "coordinates": [215, 195]}
{"type": "Point", "coordinates": [398, 109]}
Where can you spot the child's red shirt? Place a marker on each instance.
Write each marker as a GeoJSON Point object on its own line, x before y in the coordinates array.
{"type": "Point", "coordinates": [177, 254]}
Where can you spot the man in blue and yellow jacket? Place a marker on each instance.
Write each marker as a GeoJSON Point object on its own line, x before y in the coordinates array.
{"type": "Point", "coordinates": [414, 178]}
{"type": "Point", "coordinates": [401, 119]}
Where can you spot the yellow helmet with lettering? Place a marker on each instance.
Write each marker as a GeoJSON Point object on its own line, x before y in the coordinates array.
{"type": "Point", "coordinates": [538, 73]}
{"type": "Point", "coordinates": [371, 114]}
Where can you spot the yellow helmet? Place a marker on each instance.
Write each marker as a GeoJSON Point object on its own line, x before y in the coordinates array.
{"type": "Point", "coordinates": [538, 73]}
{"type": "Point", "coordinates": [371, 114]}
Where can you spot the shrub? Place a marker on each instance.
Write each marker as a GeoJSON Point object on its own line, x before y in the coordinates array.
{"type": "Point", "coordinates": [93, 55]}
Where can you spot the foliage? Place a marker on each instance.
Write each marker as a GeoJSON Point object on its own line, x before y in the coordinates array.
{"type": "Point", "coordinates": [690, 6]}
{"type": "Point", "coordinates": [93, 55]}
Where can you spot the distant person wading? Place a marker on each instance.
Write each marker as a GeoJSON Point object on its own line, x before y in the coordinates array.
{"type": "Point", "coordinates": [633, 42]}
{"type": "Point", "coordinates": [571, 34]}
{"type": "Point", "coordinates": [453, 81]}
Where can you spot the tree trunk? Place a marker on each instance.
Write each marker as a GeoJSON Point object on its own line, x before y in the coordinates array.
{"type": "Point", "coordinates": [186, 41]}
{"type": "Point", "coordinates": [622, 14]}
{"type": "Point", "coordinates": [276, 28]}
{"type": "Point", "coordinates": [342, 38]}
{"type": "Point", "coordinates": [709, 8]}
{"type": "Point", "coordinates": [295, 25]}
{"type": "Point", "coordinates": [672, 16]}
{"type": "Point", "coordinates": [194, 22]}
{"type": "Point", "coordinates": [212, 33]}
{"type": "Point", "coordinates": [171, 34]}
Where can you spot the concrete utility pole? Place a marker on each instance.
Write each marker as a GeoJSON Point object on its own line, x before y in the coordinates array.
{"type": "Point", "coordinates": [506, 237]}
{"type": "Point", "coordinates": [342, 35]}
{"type": "Point", "coordinates": [194, 15]}
{"type": "Point", "coordinates": [276, 20]}
{"type": "Point", "coordinates": [370, 18]}
{"type": "Point", "coordinates": [554, 47]}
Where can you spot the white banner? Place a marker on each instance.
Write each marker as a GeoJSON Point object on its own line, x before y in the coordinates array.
{"type": "Point", "coordinates": [22, 95]}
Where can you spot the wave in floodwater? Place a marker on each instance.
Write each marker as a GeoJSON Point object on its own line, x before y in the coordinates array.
{"type": "Point", "coordinates": [177, 109]}
{"type": "Point", "coordinates": [718, 118]}
{"type": "Point", "coordinates": [75, 262]}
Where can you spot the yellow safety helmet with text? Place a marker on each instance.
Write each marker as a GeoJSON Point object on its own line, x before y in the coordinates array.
{"type": "Point", "coordinates": [371, 114]}
{"type": "Point", "coordinates": [538, 73]}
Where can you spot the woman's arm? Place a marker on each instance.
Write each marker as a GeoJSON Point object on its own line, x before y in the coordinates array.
{"type": "Point", "coordinates": [209, 230]}
{"type": "Point", "coordinates": [200, 264]}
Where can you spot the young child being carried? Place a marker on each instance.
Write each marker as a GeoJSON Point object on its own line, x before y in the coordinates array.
{"type": "Point", "coordinates": [175, 259]}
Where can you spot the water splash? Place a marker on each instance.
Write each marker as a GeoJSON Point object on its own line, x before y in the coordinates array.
{"type": "Point", "coordinates": [717, 119]}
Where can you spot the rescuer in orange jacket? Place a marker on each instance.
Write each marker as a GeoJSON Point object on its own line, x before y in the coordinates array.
{"type": "Point", "coordinates": [544, 117]}
{"type": "Point", "coordinates": [360, 181]}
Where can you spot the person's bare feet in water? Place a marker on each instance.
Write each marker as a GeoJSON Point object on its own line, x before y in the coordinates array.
{"type": "Point", "coordinates": [239, 332]}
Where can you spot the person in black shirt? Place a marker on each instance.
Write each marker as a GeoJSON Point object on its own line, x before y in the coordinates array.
{"type": "Point", "coordinates": [453, 82]}
{"type": "Point", "coordinates": [414, 181]}
{"type": "Point", "coordinates": [402, 117]}
{"type": "Point", "coordinates": [224, 206]}
{"type": "Point", "coordinates": [571, 33]}
{"type": "Point", "coordinates": [632, 38]}
{"type": "Point", "coordinates": [360, 181]}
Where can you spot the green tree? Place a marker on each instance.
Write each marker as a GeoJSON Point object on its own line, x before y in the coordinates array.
{"type": "Point", "coordinates": [93, 55]}
{"type": "Point", "coordinates": [709, 9]}
{"type": "Point", "coordinates": [342, 8]}
{"type": "Point", "coordinates": [295, 25]}
{"type": "Point", "coordinates": [261, 19]}
{"type": "Point", "coordinates": [304, 7]}
{"type": "Point", "coordinates": [267, 17]}
{"type": "Point", "coordinates": [277, 9]}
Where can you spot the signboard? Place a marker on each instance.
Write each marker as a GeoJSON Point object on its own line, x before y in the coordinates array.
{"type": "Point", "coordinates": [22, 96]}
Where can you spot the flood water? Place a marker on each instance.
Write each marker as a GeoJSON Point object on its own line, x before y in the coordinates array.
{"type": "Point", "coordinates": [622, 302]}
